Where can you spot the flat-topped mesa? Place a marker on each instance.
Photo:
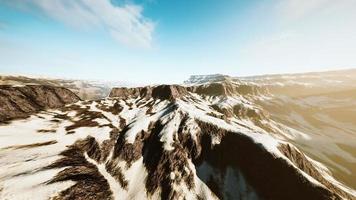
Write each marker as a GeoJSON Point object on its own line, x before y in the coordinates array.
{"type": "Point", "coordinates": [227, 88]}
{"type": "Point", "coordinates": [19, 102]}
{"type": "Point", "coordinates": [163, 92]}
{"type": "Point", "coordinates": [200, 79]}
{"type": "Point", "coordinates": [169, 92]}
{"type": "Point", "coordinates": [125, 92]}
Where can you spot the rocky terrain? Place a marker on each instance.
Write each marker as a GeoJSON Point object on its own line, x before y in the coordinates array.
{"type": "Point", "coordinates": [85, 89]}
{"type": "Point", "coordinates": [20, 102]}
{"type": "Point", "coordinates": [318, 107]}
{"type": "Point", "coordinates": [215, 137]}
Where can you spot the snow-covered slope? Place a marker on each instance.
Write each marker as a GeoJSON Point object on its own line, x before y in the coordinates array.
{"type": "Point", "coordinates": [318, 108]}
{"type": "Point", "coordinates": [161, 142]}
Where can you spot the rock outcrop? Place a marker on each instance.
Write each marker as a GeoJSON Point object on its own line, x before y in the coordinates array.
{"type": "Point", "coordinates": [168, 92]}
{"type": "Point", "coordinates": [125, 92]}
{"type": "Point", "coordinates": [19, 102]}
{"type": "Point", "coordinates": [227, 89]}
{"type": "Point", "coordinates": [163, 92]}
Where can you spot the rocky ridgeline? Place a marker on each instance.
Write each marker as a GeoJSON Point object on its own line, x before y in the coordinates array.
{"type": "Point", "coordinates": [217, 89]}
{"type": "Point", "coordinates": [19, 102]}
{"type": "Point", "coordinates": [135, 147]}
{"type": "Point", "coordinates": [228, 89]}
{"type": "Point", "coordinates": [167, 92]}
{"type": "Point", "coordinates": [193, 165]}
{"type": "Point", "coordinates": [163, 92]}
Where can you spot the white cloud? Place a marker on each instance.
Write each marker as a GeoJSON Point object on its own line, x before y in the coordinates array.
{"type": "Point", "coordinates": [297, 9]}
{"type": "Point", "coordinates": [294, 10]}
{"type": "Point", "coordinates": [125, 23]}
{"type": "Point", "coordinates": [304, 35]}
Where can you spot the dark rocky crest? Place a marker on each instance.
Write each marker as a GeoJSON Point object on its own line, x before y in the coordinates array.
{"type": "Point", "coordinates": [19, 102]}
{"type": "Point", "coordinates": [124, 92]}
{"type": "Point", "coordinates": [227, 88]}
{"type": "Point", "coordinates": [170, 92]}
{"type": "Point", "coordinates": [163, 92]}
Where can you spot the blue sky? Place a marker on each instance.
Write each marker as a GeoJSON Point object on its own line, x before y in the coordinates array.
{"type": "Point", "coordinates": [165, 41]}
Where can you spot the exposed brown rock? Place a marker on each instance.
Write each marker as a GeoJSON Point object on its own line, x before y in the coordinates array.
{"type": "Point", "coordinates": [82, 123]}
{"type": "Point", "coordinates": [226, 89]}
{"type": "Point", "coordinates": [46, 131]}
{"type": "Point", "coordinates": [129, 152]}
{"type": "Point", "coordinates": [19, 102]}
{"type": "Point", "coordinates": [34, 145]}
{"type": "Point", "coordinates": [163, 92]}
{"type": "Point", "coordinates": [169, 92]}
{"type": "Point", "coordinates": [116, 172]}
{"type": "Point", "coordinates": [86, 119]}
{"type": "Point", "coordinates": [192, 147]}
{"type": "Point", "coordinates": [225, 111]}
{"type": "Point", "coordinates": [213, 89]}
{"type": "Point", "coordinates": [115, 109]}
{"type": "Point", "coordinates": [89, 183]}
{"type": "Point", "coordinates": [124, 92]}
{"type": "Point", "coordinates": [302, 163]}
{"type": "Point", "coordinates": [160, 163]}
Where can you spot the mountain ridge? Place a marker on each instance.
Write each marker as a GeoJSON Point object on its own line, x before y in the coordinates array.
{"type": "Point", "coordinates": [20, 102]}
{"type": "Point", "coordinates": [179, 140]}
{"type": "Point", "coordinates": [224, 138]}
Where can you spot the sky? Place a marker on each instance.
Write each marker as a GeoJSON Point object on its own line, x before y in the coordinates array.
{"type": "Point", "coordinates": [166, 41]}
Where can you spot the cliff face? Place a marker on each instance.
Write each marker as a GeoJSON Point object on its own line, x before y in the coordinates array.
{"type": "Point", "coordinates": [175, 91]}
{"type": "Point", "coordinates": [163, 92]}
{"type": "Point", "coordinates": [19, 102]}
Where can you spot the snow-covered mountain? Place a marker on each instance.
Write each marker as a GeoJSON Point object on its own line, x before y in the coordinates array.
{"type": "Point", "coordinates": [318, 105]}
{"type": "Point", "coordinates": [205, 140]}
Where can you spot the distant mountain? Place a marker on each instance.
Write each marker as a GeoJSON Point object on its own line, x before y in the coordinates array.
{"type": "Point", "coordinates": [85, 89]}
{"type": "Point", "coordinates": [328, 80]}
{"type": "Point", "coordinates": [198, 79]}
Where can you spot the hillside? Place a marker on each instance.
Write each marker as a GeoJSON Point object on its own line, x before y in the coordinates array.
{"type": "Point", "coordinates": [88, 90]}
{"type": "Point", "coordinates": [204, 141]}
